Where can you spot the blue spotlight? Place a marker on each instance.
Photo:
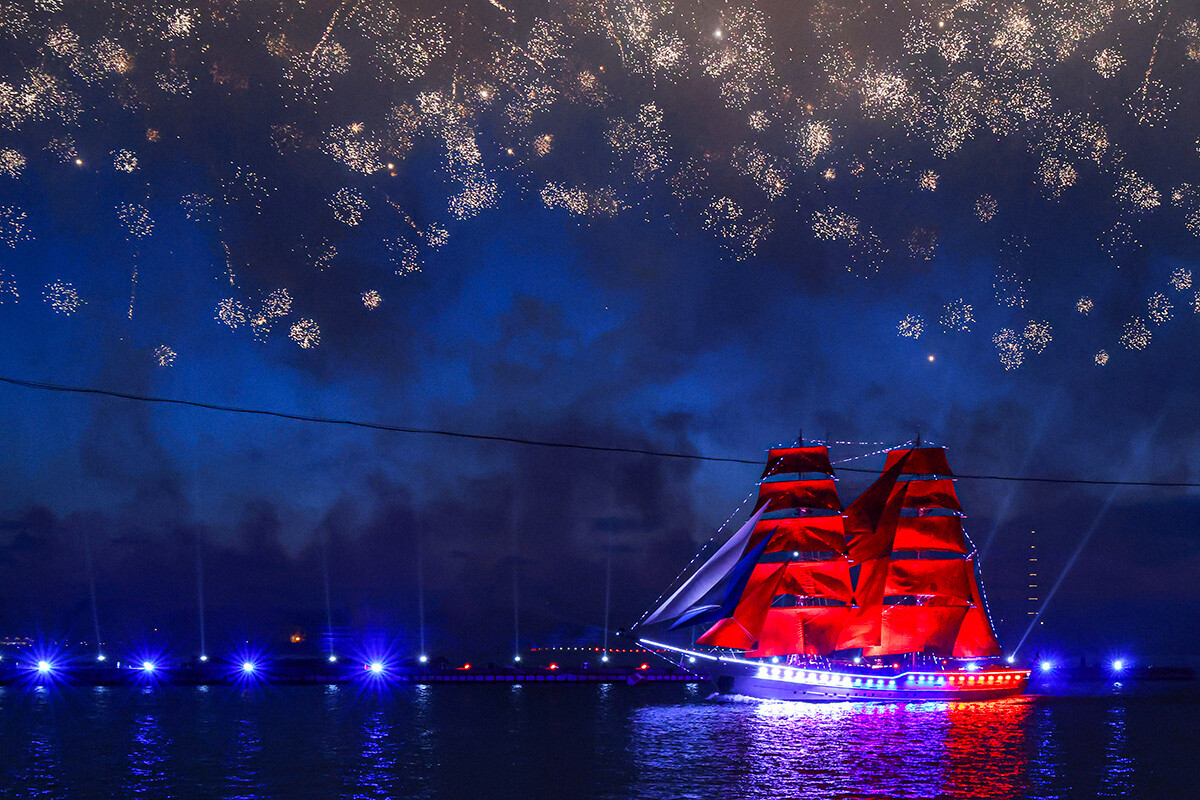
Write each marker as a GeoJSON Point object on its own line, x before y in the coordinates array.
{"type": "Point", "coordinates": [101, 657]}
{"type": "Point", "coordinates": [424, 659]}
{"type": "Point", "coordinates": [1118, 665]}
{"type": "Point", "coordinates": [44, 667]}
{"type": "Point", "coordinates": [203, 657]}
{"type": "Point", "coordinates": [1046, 666]}
{"type": "Point", "coordinates": [332, 658]}
{"type": "Point", "coordinates": [148, 667]}
{"type": "Point", "coordinates": [376, 667]}
{"type": "Point", "coordinates": [247, 665]}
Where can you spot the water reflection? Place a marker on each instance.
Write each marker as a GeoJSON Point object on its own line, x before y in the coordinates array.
{"type": "Point", "coordinates": [147, 750]}
{"type": "Point", "coordinates": [377, 771]}
{"type": "Point", "coordinates": [986, 749]}
{"type": "Point", "coordinates": [244, 770]}
{"type": "Point", "coordinates": [592, 743]}
{"type": "Point", "coordinates": [41, 769]}
{"type": "Point", "coordinates": [331, 730]}
{"type": "Point", "coordinates": [1046, 760]}
{"type": "Point", "coordinates": [1117, 778]}
{"type": "Point", "coordinates": [800, 750]}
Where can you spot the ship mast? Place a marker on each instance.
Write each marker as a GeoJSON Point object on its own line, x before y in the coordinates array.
{"type": "Point", "coordinates": [796, 595]}
{"type": "Point", "coordinates": [916, 589]}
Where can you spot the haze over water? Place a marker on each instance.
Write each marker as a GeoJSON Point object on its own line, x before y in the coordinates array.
{"type": "Point", "coordinates": [526, 741]}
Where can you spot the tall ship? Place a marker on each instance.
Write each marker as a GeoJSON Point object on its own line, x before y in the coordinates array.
{"type": "Point", "coordinates": [810, 600]}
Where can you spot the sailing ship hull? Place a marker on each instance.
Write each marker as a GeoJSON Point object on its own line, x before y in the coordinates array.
{"type": "Point", "coordinates": [772, 682]}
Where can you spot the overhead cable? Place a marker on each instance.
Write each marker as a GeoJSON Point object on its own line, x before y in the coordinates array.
{"type": "Point", "coordinates": [379, 426]}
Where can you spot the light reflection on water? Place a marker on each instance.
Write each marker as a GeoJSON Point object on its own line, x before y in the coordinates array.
{"type": "Point", "coordinates": [1045, 759]}
{"type": "Point", "coordinates": [378, 769]}
{"type": "Point", "coordinates": [1117, 779]}
{"type": "Point", "coordinates": [607, 741]}
{"type": "Point", "coordinates": [43, 756]}
{"type": "Point", "coordinates": [242, 769]}
{"type": "Point", "coordinates": [147, 751]}
{"type": "Point", "coordinates": [783, 749]}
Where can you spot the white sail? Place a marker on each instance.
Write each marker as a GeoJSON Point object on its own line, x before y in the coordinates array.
{"type": "Point", "coordinates": [709, 574]}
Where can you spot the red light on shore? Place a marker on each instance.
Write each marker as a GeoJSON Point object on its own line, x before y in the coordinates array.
{"type": "Point", "coordinates": [644, 666]}
{"type": "Point", "coordinates": [553, 666]}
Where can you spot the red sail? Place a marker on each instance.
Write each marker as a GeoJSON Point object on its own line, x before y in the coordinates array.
{"type": "Point", "coordinates": [781, 495]}
{"type": "Point", "coordinates": [801, 534]}
{"type": "Point", "coordinates": [871, 519]}
{"type": "Point", "coordinates": [806, 579]}
{"type": "Point", "coordinates": [976, 639]}
{"type": "Point", "coordinates": [749, 615]}
{"type": "Point", "coordinates": [942, 577]}
{"type": "Point", "coordinates": [930, 494]}
{"type": "Point", "coordinates": [728, 632]}
{"type": "Point", "coordinates": [930, 533]}
{"type": "Point", "coordinates": [921, 461]}
{"type": "Point", "coordinates": [813, 631]}
{"type": "Point", "coordinates": [788, 460]}
{"type": "Point", "coordinates": [862, 628]}
{"type": "Point", "coordinates": [913, 629]}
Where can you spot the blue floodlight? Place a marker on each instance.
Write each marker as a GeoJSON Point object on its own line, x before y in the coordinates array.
{"type": "Point", "coordinates": [376, 667]}
{"type": "Point", "coordinates": [203, 657]}
{"type": "Point", "coordinates": [332, 658]}
{"type": "Point", "coordinates": [1118, 665]}
{"type": "Point", "coordinates": [1010, 659]}
{"type": "Point", "coordinates": [149, 666]}
{"type": "Point", "coordinates": [972, 667]}
{"type": "Point", "coordinates": [1046, 666]}
{"type": "Point", "coordinates": [247, 665]}
{"type": "Point", "coordinates": [44, 666]}
{"type": "Point", "coordinates": [424, 658]}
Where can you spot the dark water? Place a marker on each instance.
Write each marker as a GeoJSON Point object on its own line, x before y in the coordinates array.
{"type": "Point", "coordinates": [581, 741]}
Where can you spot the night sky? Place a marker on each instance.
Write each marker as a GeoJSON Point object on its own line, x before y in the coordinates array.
{"type": "Point", "coordinates": [686, 227]}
